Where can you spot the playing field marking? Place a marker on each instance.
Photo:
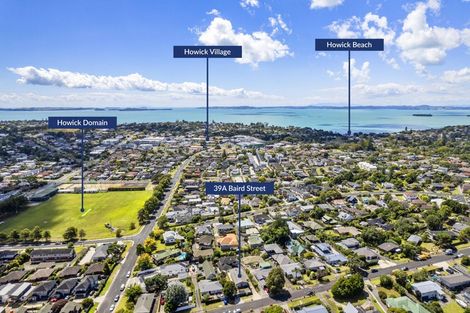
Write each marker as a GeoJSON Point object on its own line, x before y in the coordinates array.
{"type": "Point", "coordinates": [86, 212]}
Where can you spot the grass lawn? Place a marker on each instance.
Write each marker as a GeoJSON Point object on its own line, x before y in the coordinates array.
{"type": "Point", "coordinates": [391, 293]}
{"type": "Point", "coordinates": [303, 302]}
{"type": "Point", "coordinates": [452, 307]}
{"type": "Point", "coordinates": [62, 211]}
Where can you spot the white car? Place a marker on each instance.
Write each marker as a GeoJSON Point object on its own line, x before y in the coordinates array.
{"type": "Point", "coordinates": [122, 287]}
{"type": "Point", "coordinates": [128, 274]}
{"type": "Point", "coordinates": [111, 308]}
{"type": "Point", "coordinates": [116, 298]}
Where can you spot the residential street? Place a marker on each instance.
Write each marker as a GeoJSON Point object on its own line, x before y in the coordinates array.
{"type": "Point", "coordinates": [129, 262]}
{"type": "Point", "coordinates": [257, 304]}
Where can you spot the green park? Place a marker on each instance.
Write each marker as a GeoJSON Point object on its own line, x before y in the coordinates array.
{"type": "Point", "coordinates": [104, 214]}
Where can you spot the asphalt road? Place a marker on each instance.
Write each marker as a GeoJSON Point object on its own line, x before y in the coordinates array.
{"type": "Point", "coordinates": [261, 303]}
{"type": "Point", "coordinates": [131, 258]}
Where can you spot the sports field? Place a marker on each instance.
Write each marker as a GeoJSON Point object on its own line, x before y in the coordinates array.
{"type": "Point", "coordinates": [116, 208]}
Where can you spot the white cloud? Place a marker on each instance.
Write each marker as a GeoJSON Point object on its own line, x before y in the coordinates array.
{"type": "Point", "coordinates": [249, 3]}
{"type": "Point", "coordinates": [321, 4]}
{"type": "Point", "coordinates": [371, 26]}
{"type": "Point", "coordinates": [457, 76]}
{"type": "Point", "coordinates": [358, 74]}
{"type": "Point", "coordinates": [422, 44]}
{"type": "Point", "coordinates": [277, 23]}
{"type": "Point", "coordinates": [133, 82]}
{"type": "Point", "coordinates": [257, 46]}
{"type": "Point", "coordinates": [213, 12]}
{"type": "Point", "coordinates": [386, 90]}
{"type": "Point", "coordinates": [346, 29]}
{"type": "Point", "coordinates": [375, 26]}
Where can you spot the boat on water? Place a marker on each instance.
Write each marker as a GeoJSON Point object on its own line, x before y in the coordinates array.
{"type": "Point", "coordinates": [422, 114]}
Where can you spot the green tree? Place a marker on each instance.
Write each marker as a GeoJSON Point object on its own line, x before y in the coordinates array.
{"type": "Point", "coordinates": [25, 234]}
{"type": "Point", "coordinates": [373, 236]}
{"type": "Point", "coordinates": [273, 309]}
{"type": "Point", "coordinates": [175, 296]}
{"type": "Point", "coordinates": [87, 303]}
{"type": "Point", "coordinates": [465, 234]}
{"type": "Point", "coordinates": [133, 293]}
{"type": "Point", "coordinates": [348, 287]}
{"type": "Point", "coordinates": [433, 221]}
{"type": "Point", "coordinates": [230, 289]}
{"type": "Point", "coordinates": [156, 283]}
{"type": "Point", "coordinates": [82, 234]}
{"type": "Point", "coordinates": [14, 235]}
{"type": "Point", "coordinates": [36, 233]}
{"type": "Point", "coordinates": [434, 307]}
{"type": "Point", "coordinates": [443, 239]}
{"type": "Point", "coordinates": [275, 281]}
{"type": "Point", "coordinates": [386, 281]}
{"type": "Point", "coordinates": [401, 277]}
{"type": "Point", "coordinates": [466, 260]}
{"type": "Point", "coordinates": [162, 222]}
{"type": "Point", "coordinates": [70, 234]}
{"type": "Point", "coordinates": [46, 235]}
{"type": "Point", "coordinates": [144, 262]}
{"type": "Point", "coordinates": [276, 232]}
{"type": "Point", "coordinates": [419, 276]}
{"type": "Point", "coordinates": [397, 310]}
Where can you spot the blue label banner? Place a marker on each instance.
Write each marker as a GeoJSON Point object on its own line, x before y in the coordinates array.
{"type": "Point", "coordinates": [207, 51]}
{"type": "Point", "coordinates": [349, 44]}
{"type": "Point", "coordinates": [253, 188]}
{"type": "Point", "coordinates": [81, 122]}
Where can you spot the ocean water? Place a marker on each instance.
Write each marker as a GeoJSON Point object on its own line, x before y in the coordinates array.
{"type": "Point", "coordinates": [334, 119]}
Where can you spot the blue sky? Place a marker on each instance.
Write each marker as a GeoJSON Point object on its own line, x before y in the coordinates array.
{"type": "Point", "coordinates": [119, 53]}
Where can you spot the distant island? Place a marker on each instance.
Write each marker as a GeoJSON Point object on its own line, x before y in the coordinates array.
{"type": "Point", "coordinates": [246, 107]}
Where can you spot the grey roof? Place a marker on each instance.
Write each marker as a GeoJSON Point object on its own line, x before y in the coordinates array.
{"type": "Point", "coordinates": [426, 286]}
{"type": "Point", "coordinates": [388, 246]}
{"type": "Point", "coordinates": [414, 239]}
{"type": "Point", "coordinates": [366, 252]}
{"type": "Point", "coordinates": [313, 309]}
{"type": "Point", "coordinates": [209, 286]}
{"type": "Point", "coordinates": [144, 303]}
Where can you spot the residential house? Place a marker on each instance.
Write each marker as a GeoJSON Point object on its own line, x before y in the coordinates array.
{"type": "Point", "coordinates": [228, 242]}
{"type": "Point", "coordinates": [326, 252]}
{"type": "Point", "coordinates": [71, 307]}
{"type": "Point", "coordinates": [312, 309]}
{"type": "Point", "coordinates": [170, 237]}
{"type": "Point", "coordinates": [95, 269]}
{"type": "Point", "coordinates": [350, 243]}
{"type": "Point", "coordinates": [209, 287]}
{"type": "Point", "coordinates": [389, 247]}
{"type": "Point", "coordinates": [255, 241]}
{"type": "Point", "coordinates": [101, 253]}
{"type": "Point", "coordinates": [368, 254]}
{"type": "Point", "coordinates": [455, 282]}
{"type": "Point", "coordinates": [41, 274]}
{"type": "Point", "coordinates": [173, 270]}
{"type": "Point", "coordinates": [65, 288]}
{"type": "Point", "coordinates": [52, 255]}
{"type": "Point", "coordinates": [227, 262]}
{"type": "Point", "coordinates": [86, 286]}
{"type": "Point", "coordinates": [414, 239]}
{"type": "Point", "coordinates": [240, 282]}
{"type": "Point", "coordinates": [145, 303]}
{"type": "Point", "coordinates": [295, 230]}
{"type": "Point", "coordinates": [209, 270]}
{"type": "Point", "coordinates": [69, 272]}
{"type": "Point", "coordinates": [314, 265]}
{"type": "Point", "coordinates": [272, 248]}
{"type": "Point", "coordinates": [427, 290]}
{"type": "Point", "coordinates": [43, 290]}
